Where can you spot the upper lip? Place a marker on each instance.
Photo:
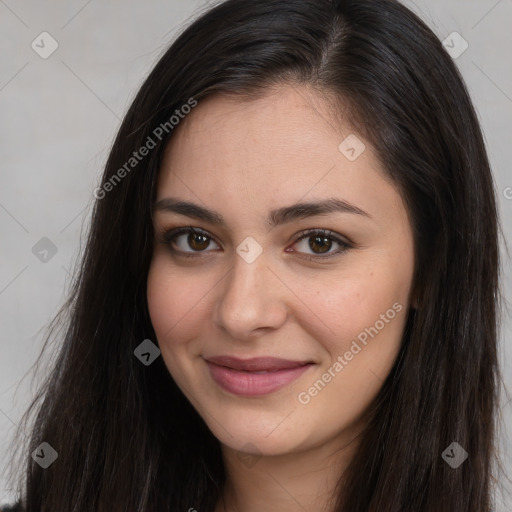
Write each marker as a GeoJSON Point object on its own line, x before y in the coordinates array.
{"type": "Point", "coordinates": [256, 364]}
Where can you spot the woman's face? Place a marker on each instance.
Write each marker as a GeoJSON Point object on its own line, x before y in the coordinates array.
{"type": "Point", "coordinates": [260, 281]}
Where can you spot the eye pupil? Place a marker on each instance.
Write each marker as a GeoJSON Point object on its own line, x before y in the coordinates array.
{"type": "Point", "coordinates": [324, 247]}
{"type": "Point", "coordinates": [193, 237]}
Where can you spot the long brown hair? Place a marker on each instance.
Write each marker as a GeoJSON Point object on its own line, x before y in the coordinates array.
{"type": "Point", "coordinates": [126, 437]}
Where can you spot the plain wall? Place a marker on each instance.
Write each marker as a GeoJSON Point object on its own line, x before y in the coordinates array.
{"type": "Point", "coordinates": [59, 116]}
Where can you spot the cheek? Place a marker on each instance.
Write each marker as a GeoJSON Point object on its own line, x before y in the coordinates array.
{"type": "Point", "coordinates": [176, 304]}
{"type": "Point", "coordinates": [371, 312]}
{"type": "Point", "coordinates": [176, 299]}
{"type": "Point", "coordinates": [366, 318]}
{"type": "Point", "coordinates": [351, 303]}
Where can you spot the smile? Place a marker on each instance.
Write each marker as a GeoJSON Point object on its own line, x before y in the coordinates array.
{"type": "Point", "coordinates": [254, 377]}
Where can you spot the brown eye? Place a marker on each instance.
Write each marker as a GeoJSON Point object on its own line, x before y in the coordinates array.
{"type": "Point", "coordinates": [320, 242]}
{"type": "Point", "coordinates": [197, 241]}
{"type": "Point", "coordinates": [316, 244]}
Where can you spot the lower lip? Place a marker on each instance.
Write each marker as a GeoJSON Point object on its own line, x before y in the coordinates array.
{"type": "Point", "coordinates": [253, 384]}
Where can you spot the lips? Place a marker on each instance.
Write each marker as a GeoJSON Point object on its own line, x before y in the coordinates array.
{"type": "Point", "coordinates": [254, 377]}
{"type": "Point", "coordinates": [256, 364]}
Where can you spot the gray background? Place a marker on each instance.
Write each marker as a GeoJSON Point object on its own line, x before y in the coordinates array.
{"type": "Point", "coordinates": [59, 116]}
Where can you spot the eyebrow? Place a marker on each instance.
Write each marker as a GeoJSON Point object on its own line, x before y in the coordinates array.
{"type": "Point", "coordinates": [276, 217]}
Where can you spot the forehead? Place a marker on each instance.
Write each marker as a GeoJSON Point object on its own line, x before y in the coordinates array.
{"type": "Point", "coordinates": [287, 120]}
{"type": "Point", "coordinates": [272, 151]}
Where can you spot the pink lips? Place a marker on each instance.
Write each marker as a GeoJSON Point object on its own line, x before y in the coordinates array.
{"type": "Point", "coordinates": [240, 377]}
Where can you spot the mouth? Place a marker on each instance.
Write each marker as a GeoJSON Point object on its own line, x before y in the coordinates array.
{"type": "Point", "coordinates": [257, 376]}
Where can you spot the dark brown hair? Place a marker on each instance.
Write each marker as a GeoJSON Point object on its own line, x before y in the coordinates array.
{"type": "Point", "coordinates": [127, 438]}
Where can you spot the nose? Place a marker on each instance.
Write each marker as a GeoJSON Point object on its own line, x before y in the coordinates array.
{"type": "Point", "coordinates": [251, 299]}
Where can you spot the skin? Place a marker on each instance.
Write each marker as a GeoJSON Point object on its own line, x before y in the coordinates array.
{"type": "Point", "coordinates": [242, 159]}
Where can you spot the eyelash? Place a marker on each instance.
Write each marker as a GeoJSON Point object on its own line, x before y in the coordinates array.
{"type": "Point", "coordinates": [169, 236]}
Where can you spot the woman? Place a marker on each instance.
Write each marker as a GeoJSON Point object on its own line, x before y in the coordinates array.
{"type": "Point", "coordinates": [288, 299]}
